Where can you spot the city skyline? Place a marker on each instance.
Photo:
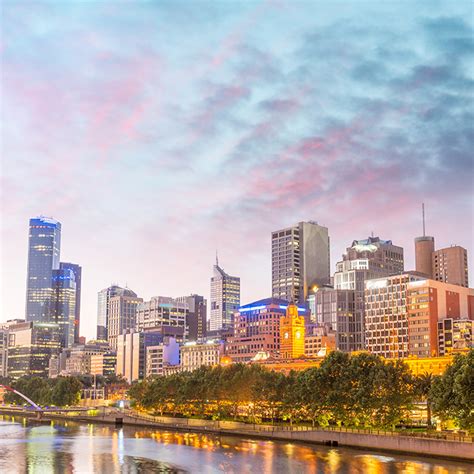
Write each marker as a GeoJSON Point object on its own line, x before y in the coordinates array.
{"type": "Point", "coordinates": [154, 149]}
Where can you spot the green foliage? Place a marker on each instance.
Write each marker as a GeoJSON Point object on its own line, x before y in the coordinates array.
{"type": "Point", "coordinates": [452, 394]}
{"type": "Point", "coordinates": [60, 391]}
{"type": "Point", "coordinates": [359, 390]}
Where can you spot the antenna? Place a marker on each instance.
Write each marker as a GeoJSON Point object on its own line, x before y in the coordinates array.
{"type": "Point", "coordinates": [217, 259]}
{"type": "Point", "coordinates": [423, 215]}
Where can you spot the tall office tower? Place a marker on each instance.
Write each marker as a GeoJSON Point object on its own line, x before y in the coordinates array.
{"type": "Point", "coordinates": [30, 347]}
{"type": "Point", "coordinates": [163, 315]}
{"type": "Point", "coordinates": [103, 301]}
{"type": "Point", "coordinates": [403, 313]}
{"type": "Point", "coordinates": [225, 298]}
{"type": "Point", "coordinates": [196, 318]}
{"type": "Point", "coordinates": [450, 265]}
{"type": "Point", "coordinates": [77, 270]}
{"type": "Point", "coordinates": [43, 257]}
{"type": "Point", "coordinates": [300, 260]}
{"type": "Point", "coordinates": [122, 315]}
{"type": "Point", "coordinates": [424, 248]}
{"type": "Point", "coordinates": [64, 308]}
{"type": "Point", "coordinates": [364, 260]}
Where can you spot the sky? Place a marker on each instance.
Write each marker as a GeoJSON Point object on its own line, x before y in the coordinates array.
{"type": "Point", "coordinates": [158, 132]}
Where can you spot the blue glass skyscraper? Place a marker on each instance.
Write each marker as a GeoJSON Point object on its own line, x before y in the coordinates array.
{"type": "Point", "coordinates": [77, 270]}
{"type": "Point", "coordinates": [43, 257]}
{"type": "Point", "coordinates": [64, 310]}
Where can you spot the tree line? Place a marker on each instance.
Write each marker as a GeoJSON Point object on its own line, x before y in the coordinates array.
{"type": "Point", "coordinates": [361, 390]}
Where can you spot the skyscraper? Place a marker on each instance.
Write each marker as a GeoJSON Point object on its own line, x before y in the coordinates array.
{"type": "Point", "coordinates": [64, 307]}
{"type": "Point", "coordinates": [225, 298]}
{"type": "Point", "coordinates": [122, 315]}
{"type": "Point", "coordinates": [196, 318]}
{"type": "Point", "coordinates": [450, 265]}
{"type": "Point", "coordinates": [77, 270]}
{"type": "Point", "coordinates": [363, 260]}
{"type": "Point", "coordinates": [103, 302]}
{"type": "Point", "coordinates": [44, 246]}
{"type": "Point", "coordinates": [300, 259]}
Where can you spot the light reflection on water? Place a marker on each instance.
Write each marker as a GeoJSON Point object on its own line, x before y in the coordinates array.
{"type": "Point", "coordinates": [75, 448]}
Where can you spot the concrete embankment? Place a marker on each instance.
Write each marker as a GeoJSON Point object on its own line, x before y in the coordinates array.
{"type": "Point", "coordinates": [392, 442]}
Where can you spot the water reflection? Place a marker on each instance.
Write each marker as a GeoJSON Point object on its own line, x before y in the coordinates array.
{"type": "Point", "coordinates": [74, 448]}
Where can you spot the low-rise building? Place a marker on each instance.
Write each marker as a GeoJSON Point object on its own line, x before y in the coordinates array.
{"type": "Point", "coordinates": [454, 335]}
{"type": "Point", "coordinates": [195, 355]}
{"type": "Point", "coordinates": [161, 356]}
{"type": "Point", "coordinates": [319, 340]}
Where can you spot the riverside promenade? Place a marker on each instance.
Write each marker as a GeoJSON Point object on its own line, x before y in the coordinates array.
{"type": "Point", "coordinates": [449, 446]}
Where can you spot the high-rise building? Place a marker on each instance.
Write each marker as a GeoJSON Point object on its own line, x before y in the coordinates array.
{"type": "Point", "coordinates": [122, 315]}
{"type": "Point", "coordinates": [335, 309]}
{"type": "Point", "coordinates": [364, 260]}
{"type": "Point", "coordinates": [196, 318]}
{"type": "Point", "coordinates": [450, 265]}
{"type": "Point", "coordinates": [225, 298]}
{"type": "Point", "coordinates": [30, 347]}
{"type": "Point", "coordinates": [131, 353]}
{"type": "Point", "coordinates": [403, 312]}
{"type": "Point", "coordinates": [103, 301]}
{"type": "Point", "coordinates": [164, 315]}
{"type": "Point", "coordinates": [77, 270]}
{"type": "Point", "coordinates": [300, 260]}
{"type": "Point", "coordinates": [424, 248]}
{"type": "Point", "coordinates": [64, 307]}
{"type": "Point", "coordinates": [292, 333]}
{"type": "Point", "coordinates": [44, 246]}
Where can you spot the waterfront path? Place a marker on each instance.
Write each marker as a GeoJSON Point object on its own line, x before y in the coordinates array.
{"type": "Point", "coordinates": [440, 445]}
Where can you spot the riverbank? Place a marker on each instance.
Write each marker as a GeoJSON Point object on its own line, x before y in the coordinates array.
{"type": "Point", "coordinates": [376, 440]}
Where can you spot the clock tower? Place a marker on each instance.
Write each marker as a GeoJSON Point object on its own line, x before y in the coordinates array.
{"type": "Point", "coordinates": [292, 333]}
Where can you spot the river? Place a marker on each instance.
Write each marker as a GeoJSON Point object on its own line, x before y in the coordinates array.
{"type": "Point", "coordinates": [69, 447]}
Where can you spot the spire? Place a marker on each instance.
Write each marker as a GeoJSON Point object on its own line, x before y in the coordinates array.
{"type": "Point", "coordinates": [217, 259]}
{"type": "Point", "coordinates": [423, 216]}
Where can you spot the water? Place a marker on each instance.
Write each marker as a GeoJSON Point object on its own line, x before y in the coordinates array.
{"type": "Point", "coordinates": [67, 447]}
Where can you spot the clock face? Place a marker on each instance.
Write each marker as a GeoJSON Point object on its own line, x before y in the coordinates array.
{"type": "Point", "coordinates": [298, 334]}
{"type": "Point", "coordinates": [287, 335]}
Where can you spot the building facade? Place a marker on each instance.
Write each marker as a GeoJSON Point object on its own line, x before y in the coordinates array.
{"type": "Point", "coordinates": [104, 364]}
{"type": "Point", "coordinates": [196, 320]}
{"type": "Point", "coordinates": [225, 298]}
{"type": "Point", "coordinates": [300, 260]}
{"type": "Point", "coordinates": [103, 301]}
{"type": "Point", "coordinates": [30, 347]}
{"type": "Point", "coordinates": [292, 333]}
{"type": "Point", "coordinates": [450, 266]}
{"type": "Point", "coordinates": [122, 315]}
{"type": "Point", "coordinates": [44, 245]}
{"type": "Point", "coordinates": [77, 271]}
{"type": "Point", "coordinates": [165, 315]}
{"type": "Point", "coordinates": [64, 305]}
{"type": "Point", "coordinates": [195, 355]}
{"type": "Point", "coordinates": [162, 356]}
{"type": "Point", "coordinates": [335, 309]}
{"type": "Point", "coordinates": [364, 260]}
{"type": "Point", "coordinates": [319, 340]}
{"type": "Point", "coordinates": [131, 353]}
{"type": "Point", "coordinates": [257, 329]}
{"type": "Point", "coordinates": [403, 311]}
{"type": "Point", "coordinates": [454, 335]}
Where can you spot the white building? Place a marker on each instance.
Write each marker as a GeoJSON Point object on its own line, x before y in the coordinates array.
{"type": "Point", "coordinates": [194, 355]}
{"type": "Point", "coordinates": [225, 299]}
{"type": "Point", "coordinates": [161, 356]}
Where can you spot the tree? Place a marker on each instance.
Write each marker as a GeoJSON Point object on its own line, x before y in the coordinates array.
{"type": "Point", "coordinates": [66, 391]}
{"type": "Point", "coordinates": [422, 389]}
{"type": "Point", "coordinates": [453, 393]}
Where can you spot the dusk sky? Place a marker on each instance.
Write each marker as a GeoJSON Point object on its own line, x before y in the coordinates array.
{"type": "Point", "coordinates": [158, 132]}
